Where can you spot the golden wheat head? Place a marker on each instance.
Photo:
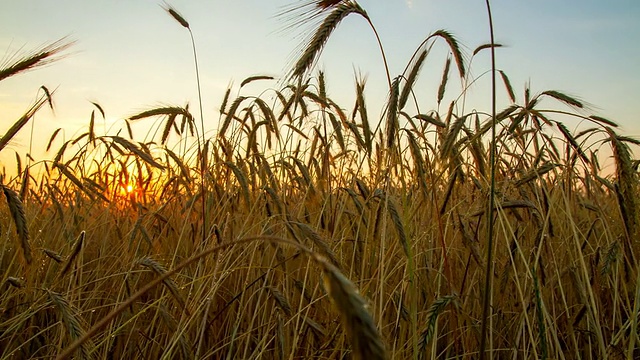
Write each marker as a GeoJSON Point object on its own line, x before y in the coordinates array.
{"type": "Point", "coordinates": [17, 213]}
{"type": "Point", "coordinates": [363, 334]}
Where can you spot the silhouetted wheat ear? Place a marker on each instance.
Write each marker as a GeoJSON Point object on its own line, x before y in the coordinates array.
{"type": "Point", "coordinates": [455, 48]}
{"type": "Point", "coordinates": [443, 82]}
{"type": "Point", "coordinates": [507, 85]}
{"type": "Point", "coordinates": [317, 328]}
{"type": "Point", "coordinates": [535, 173]}
{"type": "Point", "coordinates": [319, 39]}
{"type": "Point", "coordinates": [77, 247]}
{"type": "Point", "coordinates": [469, 241]}
{"type": "Point", "coordinates": [172, 324]}
{"type": "Point", "coordinates": [68, 174]}
{"type": "Point", "coordinates": [176, 15]}
{"type": "Point", "coordinates": [449, 140]}
{"type": "Point", "coordinates": [17, 213]}
{"type": "Point", "coordinates": [37, 58]}
{"type": "Point", "coordinates": [53, 255]}
{"type": "Point", "coordinates": [610, 258]}
{"type": "Point", "coordinates": [626, 189]}
{"type": "Point", "coordinates": [169, 283]}
{"type": "Point", "coordinates": [325, 4]}
{"type": "Point", "coordinates": [572, 141]}
{"type": "Point", "coordinates": [364, 116]}
{"type": "Point", "coordinates": [318, 241]}
{"type": "Point", "coordinates": [137, 151]}
{"type": "Point", "coordinates": [571, 101]}
{"type": "Point", "coordinates": [70, 320]}
{"type": "Point", "coordinates": [411, 77]}
{"type": "Point", "coordinates": [15, 282]}
{"type": "Point", "coordinates": [397, 223]}
{"type": "Point", "coordinates": [363, 335]}
{"type": "Point", "coordinates": [231, 113]}
{"type": "Point", "coordinates": [24, 185]}
{"type": "Point", "coordinates": [242, 180]}
{"type": "Point", "coordinates": [281, 300]}
{"type": "Point", "coordinates": [392, 113]}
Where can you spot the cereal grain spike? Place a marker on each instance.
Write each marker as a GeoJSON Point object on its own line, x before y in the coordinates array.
{"type": "Point", "coordinates": [19, 218]}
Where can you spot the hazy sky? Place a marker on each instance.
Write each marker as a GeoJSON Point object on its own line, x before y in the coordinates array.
{"type": "Point", "coordinates": [131, 55]}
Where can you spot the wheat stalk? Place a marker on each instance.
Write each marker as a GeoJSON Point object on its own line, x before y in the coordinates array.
{"type": "Point", "coordinates": [488, 284]}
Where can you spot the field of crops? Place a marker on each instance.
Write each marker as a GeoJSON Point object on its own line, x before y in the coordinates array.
{"type": "Point", "coordinates": [306, 228]}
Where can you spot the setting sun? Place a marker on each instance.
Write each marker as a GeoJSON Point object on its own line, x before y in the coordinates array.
{"type": "Point", "coordinates": [129, 188]}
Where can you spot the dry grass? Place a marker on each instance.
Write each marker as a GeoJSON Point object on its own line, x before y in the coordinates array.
{"type": "Point", "coordinates": [326, 237]}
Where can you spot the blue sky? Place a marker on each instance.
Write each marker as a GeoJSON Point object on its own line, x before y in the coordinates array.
{"type": "Point", "coordinates": [130, 55]}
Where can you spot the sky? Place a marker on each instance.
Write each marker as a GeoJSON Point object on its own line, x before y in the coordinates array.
{"type": "Point", "coordinates": [130, 56]}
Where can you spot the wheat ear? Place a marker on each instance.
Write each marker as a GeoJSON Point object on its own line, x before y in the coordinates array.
{"type": "Point", "coordinates": [17, 213]}
{"type": "Point", "coordinates": [433, 313]}
{"type": "Point", "coordinates": [71, 322]}
{"type": "Point", "coordinates": [364, 337]}
{"type": "Point", "coordinates": [319, 39]}
{"type": "Point", "coordinates": [169, 283]}
{"type": "Point", "coordinates": [77, 247]}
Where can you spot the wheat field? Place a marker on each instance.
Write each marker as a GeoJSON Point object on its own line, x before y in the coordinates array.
{"type": "Point", "coordinates": [305, 228]}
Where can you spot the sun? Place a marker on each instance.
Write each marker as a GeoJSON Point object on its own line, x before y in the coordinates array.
{"type": "Point", "coordinates": [129, 189]}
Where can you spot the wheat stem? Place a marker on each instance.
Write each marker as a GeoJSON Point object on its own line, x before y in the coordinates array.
{"type": "Point", "coordinates": [488, 284]}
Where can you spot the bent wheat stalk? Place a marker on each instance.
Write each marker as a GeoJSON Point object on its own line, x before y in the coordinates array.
{"type": "Point", "coordinates": [201, 140]}
{"type": "Point", "coordinates": [363, 334]}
